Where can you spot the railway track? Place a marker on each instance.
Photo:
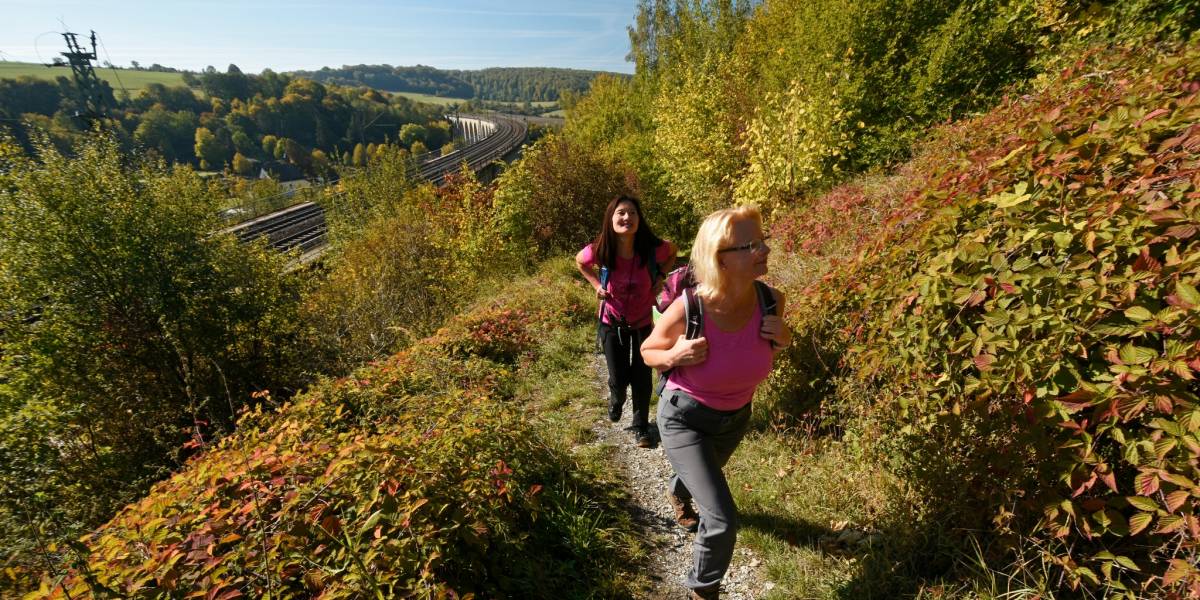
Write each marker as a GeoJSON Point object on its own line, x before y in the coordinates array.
{"type": "Point", "coordinates": [303, 225]}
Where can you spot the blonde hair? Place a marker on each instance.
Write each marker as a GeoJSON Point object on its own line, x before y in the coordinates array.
{"type": "Point", "coordinates": [715, 233]}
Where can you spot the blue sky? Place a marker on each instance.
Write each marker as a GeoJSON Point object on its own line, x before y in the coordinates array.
{"type": "Point", "coordinates": [302, 34]}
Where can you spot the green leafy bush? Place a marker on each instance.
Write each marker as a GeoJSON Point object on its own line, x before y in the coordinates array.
{"type": "Point", "coordinates": [414, 476]}
{"type": "Point", "coordinates": [615, 118]}
{"type": "Point", "coordinates": [552, 201]}
{"type": "Point", "coordinates": [1021, 322]}
{"type": "Point", "coordinates": [403, 258]}
{"type": "Point", "coordinates": [128, 331]}
{"type": "Point", "coordinates": [772, 103]}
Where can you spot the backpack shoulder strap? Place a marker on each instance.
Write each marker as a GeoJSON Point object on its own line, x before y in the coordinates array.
{"type": "Point", "coordinates": [603, 285]}
{"type": "Point", "coordinates": [766, 301]}
{"type": "Point", "coordinates": [693, 314]}
{"type": "Point", "coordinates": [693, 323]}
{"type": "Point", "coordinates": [766, 298]}
{"type": "Point", "coordinates": [652, 268]}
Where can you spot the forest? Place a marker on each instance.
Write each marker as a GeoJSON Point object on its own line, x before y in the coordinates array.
{"type": "Point", "coordinates": [231, 120]}
{"type": "Point", "coordinates": [505, 84]}
{"type": "Point", "coordinates": [984, 214]}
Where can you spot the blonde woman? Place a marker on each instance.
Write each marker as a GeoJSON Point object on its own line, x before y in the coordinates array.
{"type": "Point", "coordinates": [705, 407]}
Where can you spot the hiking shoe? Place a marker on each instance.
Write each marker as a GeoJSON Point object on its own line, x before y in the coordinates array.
{"type": "Point", "coordinates": [685, 515]}
{"type": "Point", "coordinates": [643, 437]}
{"type": "Point", "coordinates": [708, 593]}
{"type": "Point", "coordinates": [614, 409]}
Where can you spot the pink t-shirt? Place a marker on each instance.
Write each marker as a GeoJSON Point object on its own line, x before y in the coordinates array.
{"type": "Point", "coordinates": [629, 286]}
{"type": "Point", "coordinates": [737, 362]}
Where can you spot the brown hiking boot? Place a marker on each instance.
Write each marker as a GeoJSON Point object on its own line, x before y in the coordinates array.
{"type": "Point", "coordinates": [708, 593]}
{"type": "Point", "coordinates": [685, 515]}
{"type": "Point", "coordinates": [642, 437]}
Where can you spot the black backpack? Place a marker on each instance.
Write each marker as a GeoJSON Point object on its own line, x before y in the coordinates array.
{"type": "Point", "coordinates": [693, 315]}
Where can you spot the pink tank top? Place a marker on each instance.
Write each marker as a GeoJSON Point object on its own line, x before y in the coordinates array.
{"type": "Point", "coordinates": [737, 362]}
{"type": "Point", "coordinates": [629, 285]}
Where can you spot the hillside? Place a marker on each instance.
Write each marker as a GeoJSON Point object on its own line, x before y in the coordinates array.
{"type": "Point", "coordinates": [417, 474]}
{"type": "Point", "coordinates": [520, 84]}
{"type": "Point", "coordinates": [120, 79]}
{"type": "Point", "coordinates": [984, 216]}
{"type": "Point", "coordinates": [1011, 315]}
{"type": "Point", "coordinates": [417, 79]}
{"type": "Point", "coordinates": [228, 119]}
{"type": "Point", "coordinates": [534, 84]}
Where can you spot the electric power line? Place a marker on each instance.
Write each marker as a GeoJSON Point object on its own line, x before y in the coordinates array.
{"type": "Point", "coordinates": [111, 66]}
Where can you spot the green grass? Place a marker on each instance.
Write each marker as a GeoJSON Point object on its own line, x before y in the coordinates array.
{"type": "Point", "coordinates": [429, 99]}
{"type": "Point", "coordinates": [133, 81]}
{"type": "Point", "coordinates": [446, 101]}
{"type": "Point", "coordinates": [539, 104]}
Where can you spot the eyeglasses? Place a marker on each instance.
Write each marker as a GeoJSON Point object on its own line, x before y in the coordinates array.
{"type": "Point", "coordinates": [754, 246]}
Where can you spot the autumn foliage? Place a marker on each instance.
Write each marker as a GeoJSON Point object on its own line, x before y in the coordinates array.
{"type": "Point", "coordinates": [1022, 315]}
{"type": "Point", "coordinates": [416, 476]}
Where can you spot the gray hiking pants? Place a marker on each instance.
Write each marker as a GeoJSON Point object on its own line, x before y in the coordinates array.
{"type": "Point", "coordinates": [698, 441]}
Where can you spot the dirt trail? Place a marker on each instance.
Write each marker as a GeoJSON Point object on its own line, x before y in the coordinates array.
{"type": "Point", "coordinates": [647, 471]}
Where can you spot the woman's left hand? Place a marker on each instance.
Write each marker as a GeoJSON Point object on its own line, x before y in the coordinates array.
{"type": "Point", "coordinates": [775, 330]}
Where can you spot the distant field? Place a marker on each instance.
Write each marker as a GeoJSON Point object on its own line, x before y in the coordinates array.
{"type": "Point", "coordinates": [444, 101]}
{"type": "Point", "coordinates": [134, 81]}
{"type": "Point", "coordinates": [539, 104]}
{"type": "Point", "coordinates": [428, 99]}
{"type": "Point", "coordinates": [560, 113]}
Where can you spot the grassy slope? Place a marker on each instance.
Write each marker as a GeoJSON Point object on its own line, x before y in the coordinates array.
{"type": "Point", "coordinates": [429, 98]}
{"type": "Point", "coordinates": [826, 512]}
{"type": "Point", "coordinates": [134, 81]}
{"type": "Point", "coordinates": [446, 466]}
{"type": "Point", "coordinates": [445, 101]}
{"type": "Point", "coordinates": [818, 491]}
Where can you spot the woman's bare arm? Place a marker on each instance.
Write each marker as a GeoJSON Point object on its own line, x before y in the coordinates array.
{"type": "Point", "coordinates": [589, 273]}
{"type": "Point", "coordinates": [665, 347]}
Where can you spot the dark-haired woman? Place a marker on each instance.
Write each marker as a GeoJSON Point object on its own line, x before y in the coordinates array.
{"type": "Point", "coordinates": [634, 261]}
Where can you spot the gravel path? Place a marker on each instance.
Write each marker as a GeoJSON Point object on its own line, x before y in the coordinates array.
{"type": "Point", "coordinates": [670, 546]}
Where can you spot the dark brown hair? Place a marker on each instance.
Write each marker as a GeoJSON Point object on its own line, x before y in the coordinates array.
{"type": "Point", "coordinates": [644, 240]}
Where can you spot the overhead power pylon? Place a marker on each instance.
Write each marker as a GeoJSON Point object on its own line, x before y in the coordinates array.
{"type": "Point", "coordinates": [90, 88]}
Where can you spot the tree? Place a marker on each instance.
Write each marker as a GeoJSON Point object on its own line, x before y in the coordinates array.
{"type": "Point", "coordinates": [411, 133]}
{"type": "Point", "coordinates": [418, 148]}
{"type": "Point", "coordinates": [296, 153]}
{"type": "Point", "coordinates": [242, 165]}
{"type": "Point", "coordinates": [549, 202]}
{"type": "Point", "coordinates": [151, 331]}
{"type": "Point", "coordinates": [319, 162]}
{"type": "Point", "coordinates": [211, 149]}
{"type": "Point", "coordinates": [360, 155]}
{"type": "Point", "coordinates": [171, 134]}
{"type": "Point", "coordinates": [28, 95]}
{"type": "Point", "coordinates": [242, 143]}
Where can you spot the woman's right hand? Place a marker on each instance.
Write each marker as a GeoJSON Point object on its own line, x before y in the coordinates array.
{"type": "Point", "coordinates": [690, 352]}
{"type": "Point", "coordinates": [601, 293]}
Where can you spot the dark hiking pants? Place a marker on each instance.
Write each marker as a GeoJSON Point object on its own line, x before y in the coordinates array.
{"type": "Point", "coordinates": [622, 352]}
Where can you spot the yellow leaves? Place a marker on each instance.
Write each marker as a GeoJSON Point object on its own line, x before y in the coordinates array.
{"type": "Point", "coordinates": [796, 140]}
